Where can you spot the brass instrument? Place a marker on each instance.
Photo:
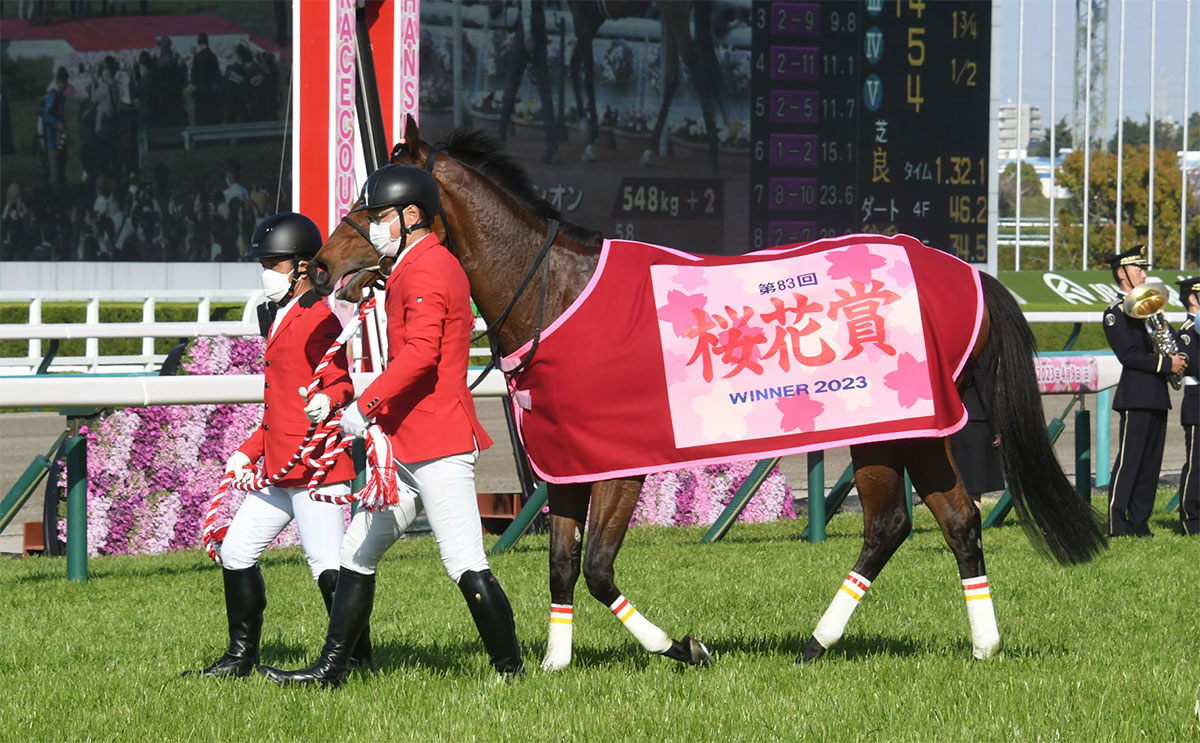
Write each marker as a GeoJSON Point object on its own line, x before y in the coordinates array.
{"type": "Point", "coordinates": [1146, 302]}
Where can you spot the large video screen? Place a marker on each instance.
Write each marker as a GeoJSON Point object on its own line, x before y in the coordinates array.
{"type": "Point", "coordinates": [829, 117]}
{"type": "Point", "coordinates": [142, 131]}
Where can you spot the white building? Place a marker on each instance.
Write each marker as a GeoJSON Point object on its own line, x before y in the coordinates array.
{"type": "Point", "coordinates": [1019, 126]}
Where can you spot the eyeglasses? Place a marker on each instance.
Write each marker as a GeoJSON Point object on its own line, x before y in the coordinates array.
{"type": "Point", "coordinates": [374, 216]}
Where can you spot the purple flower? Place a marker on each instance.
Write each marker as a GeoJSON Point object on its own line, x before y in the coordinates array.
{"type": "Point", "coordinates": [152, 471]}
{"type": "Point", "coordinates": [696, 496]}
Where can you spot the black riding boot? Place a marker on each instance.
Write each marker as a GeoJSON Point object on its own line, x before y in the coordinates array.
{"type": "Point", "coordinates": [361, 657]}
{"type": "Point", "coordinates": [348, 616]}
{"type": "Point", "coordinates": [494, 618]}
{"type": "Point", "coordinates": [245, 599]}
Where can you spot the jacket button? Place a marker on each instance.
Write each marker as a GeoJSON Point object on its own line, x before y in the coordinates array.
{"type": "Point", "coordinates": [268, 384]}
{"type": "Point", "coordinates": [266, 405]}
{"type": "Point", "coordinates": [267, 364]}
{"type": "Point", "coordinates": [267, 427]}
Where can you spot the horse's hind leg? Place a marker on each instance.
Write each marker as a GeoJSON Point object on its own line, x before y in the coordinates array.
{"type": "Point", "coordinates": [613, 502]}
{"type": "Point", "coordinates": [568, 510]}
{"type": "Point", "coordinates": [879, 475]}
{"type": "Point", "coordinates": [935, 477]}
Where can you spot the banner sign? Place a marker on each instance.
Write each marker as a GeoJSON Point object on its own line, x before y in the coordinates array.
{"type": "Point", "coordinates": [1058, 374]}
{"type": "Point", "coordinates": [1077, 290]}
{"type": "Point", "coordinates": [324, 154]}
{"type": "Point", "coordinates": [669, 359]}
{"type": "Point", "coordinates": [749, 350]}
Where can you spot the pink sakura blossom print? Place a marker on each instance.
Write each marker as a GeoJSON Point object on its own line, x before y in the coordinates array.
{"type": "Point", "coordinates": [799, 413]}
{"type": "Point", "coordinates": [910, 380]}
{"type": "Point", "coordinates": [855, 263]}
{"type": "Point", "coordinates": [680, 311]}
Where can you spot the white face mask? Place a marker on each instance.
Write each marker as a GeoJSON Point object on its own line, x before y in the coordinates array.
{"type": "Point", "coordinates": [276, 285]}
{"type": "Point", "coordinates": [381, 238]}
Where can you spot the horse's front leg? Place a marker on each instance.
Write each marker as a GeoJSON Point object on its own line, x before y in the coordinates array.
{"type": "Point", "coordinates": [940, 486]}
{"type": "Point", "coordinates": [568, 510]}
{"type": "Point", "coordinates": [879, 476]}
{"type": "Point", "coordinates": [612, 507]}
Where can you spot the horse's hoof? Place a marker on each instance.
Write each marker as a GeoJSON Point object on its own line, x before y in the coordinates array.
{"type": "Point", "coordinates": [812, 650]}
{"type": "Point", "coordinates": [689, 650]}
{"type": "Point", "coordinates": [697, 653]}
{"type": "Point", "coordinates": [553, 664]}
{"type": "Point", "coordinates": [589, 154]}
{"type": "Point", "coordinates": [648, 158]}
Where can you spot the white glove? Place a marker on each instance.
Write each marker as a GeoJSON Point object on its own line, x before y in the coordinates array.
{"type": "Point", "coordinates": [353, 421]}
{"type": "Point", "coordinates": [317, 408]}
{"type": "Point", "coordinates": [239, 464]}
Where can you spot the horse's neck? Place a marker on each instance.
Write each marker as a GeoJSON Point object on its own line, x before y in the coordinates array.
{"type": "Point", "coordinates": [497, 253]}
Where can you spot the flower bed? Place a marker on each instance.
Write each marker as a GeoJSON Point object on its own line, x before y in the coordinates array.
{"type": "Point", "coordinates": [152, 471]}
{"type": "Point", "coordinates": [696, 496]}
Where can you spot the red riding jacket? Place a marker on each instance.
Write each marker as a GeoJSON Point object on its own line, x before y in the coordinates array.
{"type": "Point", "coordinates": [295, 345]}
{"type": "Point", "coordinates": [421, 400]}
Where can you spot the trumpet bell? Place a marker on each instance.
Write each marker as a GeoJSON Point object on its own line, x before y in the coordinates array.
{"type": "Point", "coordinates": [1146, 300]}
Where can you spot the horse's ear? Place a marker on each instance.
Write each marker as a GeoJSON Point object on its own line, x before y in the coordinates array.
{"type": "Point", "coordinates": [412, 138]}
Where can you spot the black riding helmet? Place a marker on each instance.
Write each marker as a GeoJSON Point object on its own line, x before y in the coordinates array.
{"type": "Point", "coordinates": [284, 235]}
{"type": "Point", "coordinates": [400, 186]}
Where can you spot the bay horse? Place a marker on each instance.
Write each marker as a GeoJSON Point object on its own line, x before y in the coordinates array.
{"type": "Point", "coordinates": [497, 224]}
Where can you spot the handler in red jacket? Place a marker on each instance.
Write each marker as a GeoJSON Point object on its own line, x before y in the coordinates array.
{"type": "Point", "coordinates": [302, 330]}
{"type": "Point", "coordinates": [421, 402]}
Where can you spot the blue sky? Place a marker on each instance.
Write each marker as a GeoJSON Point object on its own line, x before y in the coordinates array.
{"type": "Point", "coordinates": [1169, 56]}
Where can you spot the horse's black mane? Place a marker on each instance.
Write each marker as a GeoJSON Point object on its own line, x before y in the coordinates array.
{"type": "Point", "coordinates": [481, 152]}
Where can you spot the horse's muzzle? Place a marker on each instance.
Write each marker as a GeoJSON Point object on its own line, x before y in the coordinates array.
{"type": "Point", "coordinates": [319, 274]}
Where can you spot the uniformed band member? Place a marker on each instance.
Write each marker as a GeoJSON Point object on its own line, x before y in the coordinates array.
{"type": "Point", "coordinates": [298, 336]}
{"type": "Point", "coordinates": [1189, 411]}
{"type": "Point", "coordinates": [1142, 401]}
{"type": "Point", "coordinates": [421, 402]}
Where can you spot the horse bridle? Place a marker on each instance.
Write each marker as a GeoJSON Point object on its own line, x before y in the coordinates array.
{"type": "Point", "coordinates": [493, 329]}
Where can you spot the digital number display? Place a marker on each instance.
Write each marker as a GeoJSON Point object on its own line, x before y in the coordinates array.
{"type": "Point", "coordinates": [871, 117]}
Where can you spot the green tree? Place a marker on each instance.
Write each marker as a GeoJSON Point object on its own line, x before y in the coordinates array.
{"type": "Point", "coordinates": [1062, 140]}
{"type": "Point", "coordinates": [1167, 134]}
{"type": "Point", "coordinates": [1033, 203]}
{"type": "Point", "coordinates": [1102, 197]}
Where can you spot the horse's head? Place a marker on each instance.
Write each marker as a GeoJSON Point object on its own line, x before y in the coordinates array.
{"type": "Point", "coordinates": [348, 263]}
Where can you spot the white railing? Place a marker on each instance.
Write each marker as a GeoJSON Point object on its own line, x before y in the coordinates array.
{"type": "Point", "coordinates": [66, 391]}
{"type": "Point", "coordinates": [91, 330]}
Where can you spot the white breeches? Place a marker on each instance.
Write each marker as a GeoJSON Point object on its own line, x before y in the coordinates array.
{"type": "Point", "coordinates": [446, 487]}
{"type": "Point", "coordinates": [266, 513]}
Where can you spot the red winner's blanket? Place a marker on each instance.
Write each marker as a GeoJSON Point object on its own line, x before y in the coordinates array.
{"type": "Point", "coordinates": [669, 359]}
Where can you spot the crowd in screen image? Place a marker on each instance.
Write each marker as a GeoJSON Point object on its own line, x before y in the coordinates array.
{"type": "Point", "coordinates": [125, 204]}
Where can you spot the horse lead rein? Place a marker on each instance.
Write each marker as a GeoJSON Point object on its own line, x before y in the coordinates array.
{"type": "Point", "coordinates": [381, 488]}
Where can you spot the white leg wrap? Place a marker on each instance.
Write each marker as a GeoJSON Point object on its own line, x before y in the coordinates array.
{"type": "Point", "coordinates": [651, 637]}
{"type": "Point", "coordinates": [558, 645]}
{"type": "Point", "coordinates": [829, 630]}
{"type": "Point", "coordinates": [985, 636]}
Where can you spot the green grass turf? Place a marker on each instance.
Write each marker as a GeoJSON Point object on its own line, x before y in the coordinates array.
{"type": "Point", "coordinates": [1105, 651]}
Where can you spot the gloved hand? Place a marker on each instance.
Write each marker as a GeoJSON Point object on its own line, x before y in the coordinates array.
{"type": "Point", "coordinates": [239, 464]}
{"type": "Point", "coordinates": [353, 421]}
{"type": "Point", "coordinates": [317, 408]}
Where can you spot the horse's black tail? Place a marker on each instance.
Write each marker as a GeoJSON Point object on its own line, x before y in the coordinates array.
{"type": "Point", "coordinates": [1053, 515]}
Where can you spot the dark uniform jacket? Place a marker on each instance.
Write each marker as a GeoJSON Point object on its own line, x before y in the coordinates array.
{"type": "Point", "coordinates": [1189, 343]}
{"type": "Point", "coordinates": [1144, 371]}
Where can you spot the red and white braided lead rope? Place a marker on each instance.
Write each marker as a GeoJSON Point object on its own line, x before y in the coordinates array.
{"type": "Point", "coordinates": [322, 445]}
